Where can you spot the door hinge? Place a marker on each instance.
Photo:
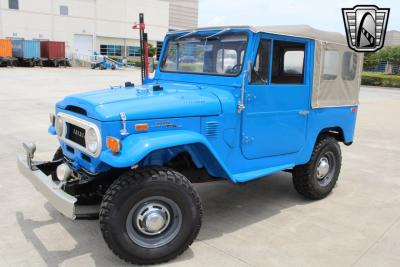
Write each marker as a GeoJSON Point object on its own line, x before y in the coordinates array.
{"type": "Point", "coordinates": [304, 112]}
{"type": "Point", "coordinates": [247, 140]}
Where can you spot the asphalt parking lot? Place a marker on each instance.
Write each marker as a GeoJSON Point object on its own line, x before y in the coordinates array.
{"type": "Point", "coordinates": [261, 223]}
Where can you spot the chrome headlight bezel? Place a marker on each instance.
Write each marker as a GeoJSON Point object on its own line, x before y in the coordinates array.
{"type": "Point", "coordinates": [87, 126]}
{"type": "Point", "coordinates": [91, 140]}
{"type": "Point", "coordinates": [60, 125]}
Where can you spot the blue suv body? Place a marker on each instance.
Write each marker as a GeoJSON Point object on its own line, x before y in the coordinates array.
{"type": "Point", "coordinates": [249, 102]}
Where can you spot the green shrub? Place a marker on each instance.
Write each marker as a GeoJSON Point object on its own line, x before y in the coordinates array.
{"type": "Point", "coordinates": [380, 79]}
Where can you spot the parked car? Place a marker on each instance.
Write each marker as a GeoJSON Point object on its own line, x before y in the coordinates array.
{"type": "Point", "coordinates": [288, 98]}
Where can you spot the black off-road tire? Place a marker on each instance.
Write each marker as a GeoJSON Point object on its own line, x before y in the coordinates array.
{"type": "Point", "coordinates": [305, 178]}
{"type": "Point", "coordinates": [132, 188]}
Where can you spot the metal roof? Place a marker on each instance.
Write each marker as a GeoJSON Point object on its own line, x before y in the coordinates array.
{"type": "Point", "coordinates": [291, 30]}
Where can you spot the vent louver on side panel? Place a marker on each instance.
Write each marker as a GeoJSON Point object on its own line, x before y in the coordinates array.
{"type": "Point", "coordinates": [212, 129]}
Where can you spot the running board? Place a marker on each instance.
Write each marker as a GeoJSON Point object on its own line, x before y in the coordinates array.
{"type": "Point", "coordinates": [248, 176]}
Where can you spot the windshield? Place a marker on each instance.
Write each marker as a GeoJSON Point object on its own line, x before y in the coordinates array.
{"type": "Point", "coordinates": [218, 54]}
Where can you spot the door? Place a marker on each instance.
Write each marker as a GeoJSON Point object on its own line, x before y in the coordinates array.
{"type": "Point", "coordinates": [83, 44]}
{"type": "Point", "coordinates": [276, 100]}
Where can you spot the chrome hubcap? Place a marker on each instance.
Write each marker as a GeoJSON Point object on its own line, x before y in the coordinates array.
{"type": "Point", "coordinates": [152, 219]}
{"type": "Point", "coordinates": [154, 222]}
{"type": "Point", "coordinates": [322, 167]}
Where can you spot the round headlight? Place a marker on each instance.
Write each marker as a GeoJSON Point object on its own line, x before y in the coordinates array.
{"type": "Point", "coordinates": [60, 125]}
{"type": "Point", "coordinates": [92, 143]}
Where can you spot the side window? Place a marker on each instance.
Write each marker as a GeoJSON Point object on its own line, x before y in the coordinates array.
{"type": "Point", "coordinates": [288, 63]}
{"type": "Point", "coordinates": [349, 66]}
{"type": "Point", "coordinates": [226, 60]}
{"type": "Point", "coordinates": [260, 70]}
{"type": "Point", "coordinates": [331, 65]}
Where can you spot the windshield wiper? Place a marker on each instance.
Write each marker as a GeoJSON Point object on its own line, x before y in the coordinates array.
{"type": "Point", "coordinates": [185, 35]}
{"type": "Point", "coordinates": [217, 33]}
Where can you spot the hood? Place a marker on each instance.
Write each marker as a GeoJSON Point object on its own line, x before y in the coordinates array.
{"type": "Point", "coordinates": [143, 102]}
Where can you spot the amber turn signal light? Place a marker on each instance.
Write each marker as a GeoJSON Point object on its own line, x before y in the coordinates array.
{"type": "Point", "coordinates": [141, 127]}
{"type": "Point", "coordinates": [113, 144]}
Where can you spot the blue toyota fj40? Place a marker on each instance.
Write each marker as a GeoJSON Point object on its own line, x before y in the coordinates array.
{"type": "Point", "coordinates": [233, 103]}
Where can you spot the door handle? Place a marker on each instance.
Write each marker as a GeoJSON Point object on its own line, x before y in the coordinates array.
{"type": "Point", "coordinates": [304, 112]}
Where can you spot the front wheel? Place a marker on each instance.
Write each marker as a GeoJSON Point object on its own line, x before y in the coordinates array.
{"type": "Point", "coordinates": [150, 215]}
{"type": "Point", "coordinates": [316, 179]}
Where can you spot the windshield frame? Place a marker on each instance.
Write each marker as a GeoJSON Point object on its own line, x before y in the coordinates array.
{"type": "Point", "coordinates": [174, 37]}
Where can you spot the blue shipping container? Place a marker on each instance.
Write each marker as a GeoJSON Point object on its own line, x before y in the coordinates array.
{"type": "Point", "coordinates": [26, 49]}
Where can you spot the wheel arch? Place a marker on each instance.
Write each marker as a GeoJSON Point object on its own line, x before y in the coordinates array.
{"type": "Point", "coordinates": [336, 132]}
{"type": "Point", "coordinates": [159, 148]}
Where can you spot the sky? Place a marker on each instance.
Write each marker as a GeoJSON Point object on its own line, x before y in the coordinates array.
{"type": "Point", "coordinates": [324, 15]}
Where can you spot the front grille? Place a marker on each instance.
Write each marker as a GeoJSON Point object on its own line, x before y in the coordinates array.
{"type": "Point", "coordinates": [76, 134]}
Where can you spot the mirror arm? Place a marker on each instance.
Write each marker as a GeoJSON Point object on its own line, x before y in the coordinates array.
{"type": "Point", "coordinates": [247, 74]}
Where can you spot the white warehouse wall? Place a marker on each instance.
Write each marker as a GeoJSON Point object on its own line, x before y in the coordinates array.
{"type": "Point", "coordinates": [105, 21]}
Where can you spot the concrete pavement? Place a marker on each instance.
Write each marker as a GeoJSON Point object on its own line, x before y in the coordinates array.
{"type": "Point", "coordinates": [261, 223]}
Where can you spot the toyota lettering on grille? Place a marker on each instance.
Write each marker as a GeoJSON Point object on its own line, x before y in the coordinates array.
{"type": "Point", "coordinates": [78, 133]}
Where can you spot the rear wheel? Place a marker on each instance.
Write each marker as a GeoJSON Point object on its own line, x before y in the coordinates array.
{"type": "Point", "coordinates": [150, 215]}
{"type": "Point", "coordinates": [316, 179]}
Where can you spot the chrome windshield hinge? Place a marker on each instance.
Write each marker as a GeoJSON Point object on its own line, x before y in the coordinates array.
{"type": "Point", "coordinates": [240, 107]}
{"type": "Point", "coordinates": [123, 131]}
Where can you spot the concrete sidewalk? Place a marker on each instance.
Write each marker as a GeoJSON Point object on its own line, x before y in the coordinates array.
{"type": "Point", "coordinates": [261, 223]}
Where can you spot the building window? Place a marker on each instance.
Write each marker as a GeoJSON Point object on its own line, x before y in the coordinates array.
{"type": "Point", "coordinates": [13, 4]}
{"type": "Point", "coordinates": [64, 10]}
{"type": "Point", "coordinates": [110, 50]}
{"type": "Point", "coordinates": [133, 51]}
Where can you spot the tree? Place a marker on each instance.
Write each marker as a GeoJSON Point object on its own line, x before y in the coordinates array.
{"type": "Point", "coordinates": [389, 53]}
{"type": "Point", "coordinates": [371, 59]}
{"type": "Point", "coordinates": [152, 50]}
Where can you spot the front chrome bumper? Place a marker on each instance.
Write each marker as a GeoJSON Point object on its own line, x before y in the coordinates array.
{"type": "Point", "coordinates": [60, 200]}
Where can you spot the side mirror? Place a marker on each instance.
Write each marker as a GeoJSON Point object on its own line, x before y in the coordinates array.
{"type": "Point", "coordinates": [249, 70]}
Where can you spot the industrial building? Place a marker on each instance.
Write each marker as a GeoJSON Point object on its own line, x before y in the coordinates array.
{"type": "Point", "coordinates": [392, 38]}
{"type": "Point", "coordinates": [89, 26]}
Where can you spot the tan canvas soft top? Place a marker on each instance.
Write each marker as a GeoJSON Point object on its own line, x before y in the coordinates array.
{"type": "Point", "coordinates": [304, 31]}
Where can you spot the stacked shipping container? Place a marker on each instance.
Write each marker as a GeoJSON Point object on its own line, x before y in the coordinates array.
{"type": "Point", "coordinates": [33, 52]}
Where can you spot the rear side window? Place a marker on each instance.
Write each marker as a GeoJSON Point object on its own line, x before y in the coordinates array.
{"type": "Point", "coordinates": [331, 65]}
{"type": "Point", "coordinates": [288, 62]}
{"type": "Point", "coordinates": [349, 66]}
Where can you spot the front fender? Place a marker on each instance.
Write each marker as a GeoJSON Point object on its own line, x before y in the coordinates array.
{"type": "Point", "coordinates": [136, 147]}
